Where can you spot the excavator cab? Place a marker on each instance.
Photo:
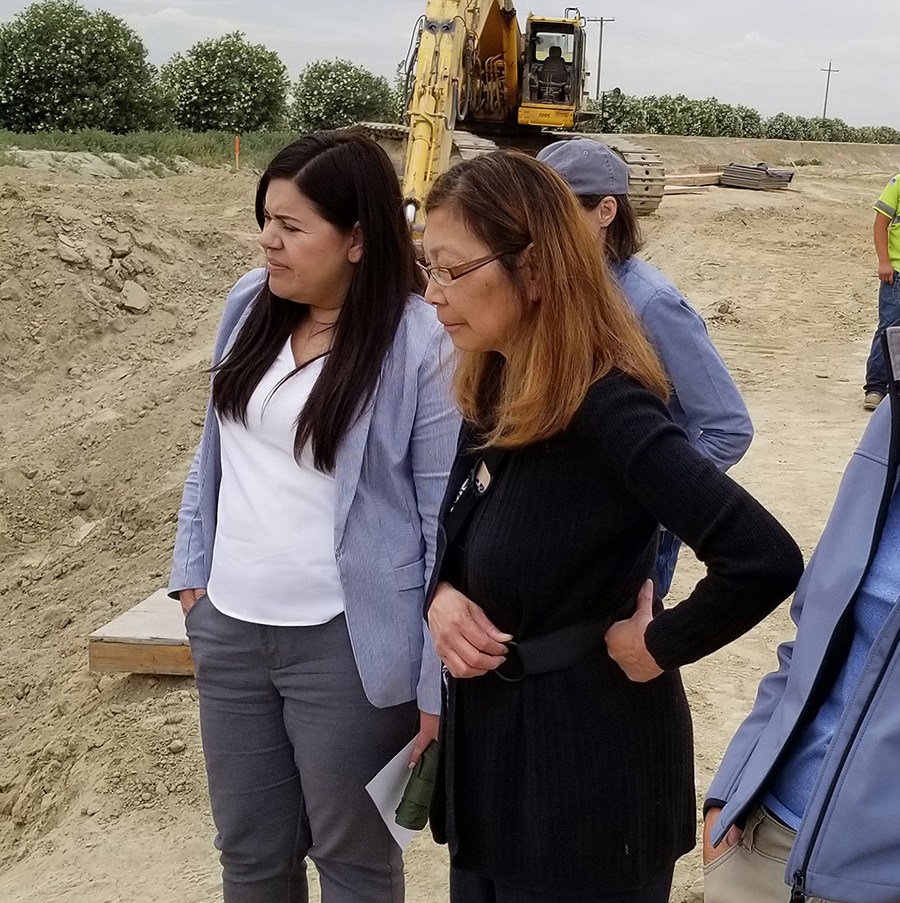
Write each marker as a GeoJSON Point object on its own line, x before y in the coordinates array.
{"type": "Point", "coordinates": [552, 72]}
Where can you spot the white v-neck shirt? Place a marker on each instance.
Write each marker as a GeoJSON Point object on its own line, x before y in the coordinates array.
{"type": "Point", "coordinates": [273, 559]}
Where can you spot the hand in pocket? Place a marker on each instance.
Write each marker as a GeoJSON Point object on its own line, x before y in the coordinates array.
{"type": "Point", "coordinates": [712, 853]}
{"type": "Point", "coordinates": [189, 597]}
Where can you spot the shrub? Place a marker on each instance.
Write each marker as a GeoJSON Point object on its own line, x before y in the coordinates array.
{"type": "Point", "coordinates": [331, 94]}
{"type": "Point", "coordinates": [751, 123]}
{"type": "Point", "coordinates": [63, 67]}
{"type": "Point", "coordinates": [679, 115]}
{"type": "Point", "coordinates": [226, 84]}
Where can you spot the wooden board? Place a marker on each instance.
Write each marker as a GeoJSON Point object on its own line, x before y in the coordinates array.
{"type": "Point", "coordinates": [686, 189]}
{"type": "Point", "coordinates": [147, 639]}
{"type": "Point", "coordinates": [736, 175]}
{"type": "Point", "coordinates": [693, 178]}
{"type": "Point", "coordinates": [140, 658]}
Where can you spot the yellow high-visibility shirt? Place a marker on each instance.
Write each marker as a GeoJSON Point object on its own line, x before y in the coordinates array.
{"type": "Point", "coordinates": [889, 205]}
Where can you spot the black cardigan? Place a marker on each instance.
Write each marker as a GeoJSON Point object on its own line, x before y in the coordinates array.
{"type": "Point", "coordinates": [580, 781]}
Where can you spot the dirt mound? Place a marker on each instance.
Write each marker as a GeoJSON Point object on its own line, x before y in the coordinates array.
{"type": "Point", "coordinates": [103, 165]}
{"type": "Point", "coordinates": [682, 154]}
{"type": "Point", "coordinates": [110, 294]}
{"type": "Point", "coordinates": [103, 290]}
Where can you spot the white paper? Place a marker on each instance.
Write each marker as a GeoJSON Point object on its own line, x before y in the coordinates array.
{"type": "Point", "coordinates": [386, 789]}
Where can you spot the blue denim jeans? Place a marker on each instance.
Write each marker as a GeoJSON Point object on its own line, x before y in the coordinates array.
{"type": "Point", "coordinates": [888, 315]}
{"type": "Point", "coordinates": [666, 559]}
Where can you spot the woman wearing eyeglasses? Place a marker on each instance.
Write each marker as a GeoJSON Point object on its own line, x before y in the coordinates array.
{"type": "Point", "coordinates": [307, 530]}
{"type": "Point", "coordinates": [566, 758]}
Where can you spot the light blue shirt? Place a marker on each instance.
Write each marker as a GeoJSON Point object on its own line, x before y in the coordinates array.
{"type": "Point", "coordinates": [705, 402]}
{"type": "Point", "coordinates": [792, 784]}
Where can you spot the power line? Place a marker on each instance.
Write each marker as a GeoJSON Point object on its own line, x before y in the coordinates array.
{"type": "Point", "coordinates": [657, 41]}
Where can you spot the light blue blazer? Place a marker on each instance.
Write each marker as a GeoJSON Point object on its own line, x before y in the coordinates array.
{"type": "Point", "coordinates": [391, 471]}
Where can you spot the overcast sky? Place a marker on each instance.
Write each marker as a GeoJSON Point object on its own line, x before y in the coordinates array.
{"type": "Point", "coordinates": [767, 54]}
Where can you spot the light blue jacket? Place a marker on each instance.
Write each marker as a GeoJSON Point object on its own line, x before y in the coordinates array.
{"type": "Point", "coordinates": [704, 401]}
{"type": "Point", "coordinates": [848, 844]}
{"type": "Point", "coordinates": [391, 471]}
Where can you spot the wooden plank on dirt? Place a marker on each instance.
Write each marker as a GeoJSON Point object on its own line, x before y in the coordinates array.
{"type": "Point", "coordinates": [694, 178]}
{"type": "Point", "coordinates": [686, 189]}
{"type": "Point", "coordinates": [140, 658]}
{"type": "Point", "coordinates": [147, 639]}
{"type": "Point", "coordinates": [760, 176]}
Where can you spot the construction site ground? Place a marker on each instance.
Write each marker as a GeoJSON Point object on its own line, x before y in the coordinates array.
{"type": "Point", "coordinates": [110, 293]}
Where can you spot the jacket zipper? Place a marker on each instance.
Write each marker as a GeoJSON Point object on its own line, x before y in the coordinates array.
{"type": "Point", "coordinates": [797, 890]}
{"type": "Point", "coordinates": [798, 884]}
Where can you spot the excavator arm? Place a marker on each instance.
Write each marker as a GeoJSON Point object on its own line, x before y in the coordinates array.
{"type": "Point", "coordinates": [467, 54]}
{"type": "Point", "coordinates": [465, 71]}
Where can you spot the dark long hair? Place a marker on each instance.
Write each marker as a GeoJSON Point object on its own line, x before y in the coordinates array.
{"type": "Point", "coordinates": [350, 180]}
{"type": "Point", "coordinates": [623, 234]}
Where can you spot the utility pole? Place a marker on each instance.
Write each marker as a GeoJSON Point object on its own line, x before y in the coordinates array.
{"type": "Point", "coordinates": [829, 70]}
{"type": "Point", "coordinates": [601, 20]}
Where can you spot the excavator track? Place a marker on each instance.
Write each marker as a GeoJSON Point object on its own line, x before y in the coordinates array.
{"type": "Point", "coordinates": [647, 175]}
{"type": "Point", "coordinates": [468, 145]}
{"type": "Point", "coordinates": [465, 144]}
{"type": "Point", "coordinates": [646, 172]}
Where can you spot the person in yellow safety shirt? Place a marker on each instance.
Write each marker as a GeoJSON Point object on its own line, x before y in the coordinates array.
{"type": "Point", "coordinates": [887, 246]}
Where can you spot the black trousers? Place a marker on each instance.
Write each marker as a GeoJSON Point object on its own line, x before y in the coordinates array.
{"type": "Point", "coordinates": [466, 887]}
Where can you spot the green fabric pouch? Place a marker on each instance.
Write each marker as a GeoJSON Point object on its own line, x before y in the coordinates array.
{"type": "Point", "coordinates": [412, 813]}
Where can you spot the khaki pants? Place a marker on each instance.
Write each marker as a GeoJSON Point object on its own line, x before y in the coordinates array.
{"type": "Point", "coordinates": [752, 871]}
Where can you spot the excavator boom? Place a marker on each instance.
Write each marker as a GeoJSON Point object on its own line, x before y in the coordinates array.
{"type": "Point", "coordinates": [473, 68]}
{"type": "Point", "coordinates": [467, 58]}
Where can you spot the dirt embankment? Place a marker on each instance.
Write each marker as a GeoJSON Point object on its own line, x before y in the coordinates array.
{"type": "Point", "coordinates": [109, 298]}
{"type": "Point", "coordinates": [685, 154]}
{"type": "Point", "coordinates": [109, 294]}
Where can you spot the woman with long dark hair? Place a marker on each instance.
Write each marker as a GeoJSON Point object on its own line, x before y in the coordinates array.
{"type": "Point", "coordinates": [566, 740]}
{"type": "Point", "coordinates": [307, 530]}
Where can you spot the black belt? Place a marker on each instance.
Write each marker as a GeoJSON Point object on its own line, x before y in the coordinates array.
{"type": "Point", "coordinates": [558, 650]}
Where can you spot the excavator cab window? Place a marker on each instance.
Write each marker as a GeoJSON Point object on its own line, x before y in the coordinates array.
{"type": "Point", "coordinates": [551, 73]}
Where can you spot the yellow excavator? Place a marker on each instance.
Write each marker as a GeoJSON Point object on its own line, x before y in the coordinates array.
{"type": "Point", "coordinates": [476, 81]}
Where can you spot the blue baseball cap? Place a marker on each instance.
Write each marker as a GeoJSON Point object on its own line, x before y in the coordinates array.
{"type": "Point", "coordinates": [588, 167]}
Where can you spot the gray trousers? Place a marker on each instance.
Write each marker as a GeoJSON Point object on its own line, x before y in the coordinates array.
{"type": "Point", "coordinates": [290, 741]}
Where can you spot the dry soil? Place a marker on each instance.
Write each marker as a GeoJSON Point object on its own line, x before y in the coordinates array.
{"type": "Point", "coordinates": [110, 292]}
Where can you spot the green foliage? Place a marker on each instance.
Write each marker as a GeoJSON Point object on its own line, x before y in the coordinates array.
{"type": "Point", "coordinates": [331, 94]}
{"type": "Point", "coordinates": [782, 126]}
{"type": "Point", "coordinates": [679, 115]}
{"type": "Point", "coordinates": [399, 98]}
{"type": "Point", "coordinates": [226, 84]}
{"type": "Point", "coordinates": [202, 148]}
{"type": "Point", "coordinates": [63, 67]}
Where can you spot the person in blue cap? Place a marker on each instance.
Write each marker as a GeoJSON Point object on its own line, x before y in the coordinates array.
{"type": "Point", "coordinates": [704, 400]}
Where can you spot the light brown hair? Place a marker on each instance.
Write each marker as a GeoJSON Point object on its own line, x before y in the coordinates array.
{"type": "Point", "coordinates": [623, 234]}
{"type": "Point", "coordinates": [574, 330]}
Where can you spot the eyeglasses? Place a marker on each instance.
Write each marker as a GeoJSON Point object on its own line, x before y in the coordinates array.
{"type": "Point", "coordinates": [446, 276]}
